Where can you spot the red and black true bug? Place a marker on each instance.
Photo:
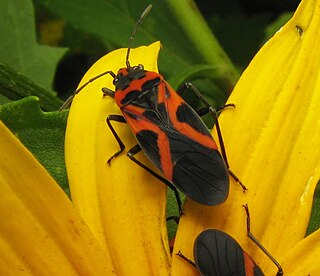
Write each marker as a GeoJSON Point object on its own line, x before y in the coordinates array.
{"type": "Point", "coordinates": [217, 253]}
{"type": "Point", "coordinates": [170, 133]}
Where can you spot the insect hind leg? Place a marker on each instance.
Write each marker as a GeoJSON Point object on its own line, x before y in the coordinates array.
{"type": "Point", "coordinates": [256, 241]}
{"type": "Point", "coordinates": [133, 151]}
{"type": "Point", "coordinates": [136, 149]}
{"type": "Point", "coordinates": [214, 112]}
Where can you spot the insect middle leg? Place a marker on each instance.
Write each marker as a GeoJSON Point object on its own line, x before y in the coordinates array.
{"type": "Point", "coordinates": [214, 112]}
{"type": "Point", "coordinates": [133, 151]}
{"type": "Point", "coordinates": [136, 149]}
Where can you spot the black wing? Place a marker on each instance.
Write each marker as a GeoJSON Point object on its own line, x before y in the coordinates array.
{"type": "Point", "coordinates": [217, 253]}
{"type": "Point", "coordinates": [198, 171]}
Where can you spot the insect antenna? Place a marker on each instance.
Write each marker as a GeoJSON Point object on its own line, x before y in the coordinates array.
{"type": "Point", "coordinates": [131, 39]}
{"type": "Point", "coordinates": [69, 100]}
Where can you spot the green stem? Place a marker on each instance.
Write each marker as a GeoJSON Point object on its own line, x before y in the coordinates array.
{"type": "Point", "coordinates": [202, 38]}
{"type": "Point", "coordinates": [16, 86]}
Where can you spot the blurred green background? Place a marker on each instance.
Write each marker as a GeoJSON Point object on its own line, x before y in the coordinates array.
{"type": "Point", "coordinates": [91, 29]}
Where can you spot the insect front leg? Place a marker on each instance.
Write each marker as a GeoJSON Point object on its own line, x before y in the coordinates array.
{"type": "Point", "coordinates": [119, 119]}
{"type": "Point", "coordinates": [214, 112]}
{"type": "Point", "coordinates": [107, 92]}
{"type": "Point", "coordinates": [136, 149]}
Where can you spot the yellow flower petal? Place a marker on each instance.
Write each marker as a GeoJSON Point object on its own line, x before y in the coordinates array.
{"type": "Point", "coordinates": [40, 231]}
{"type": "Point", "coordinates": [304, 258]}
{"type": "Point", "coordinates": [123, 204]}
{"type": "Point", "coordinates": [272, 139]}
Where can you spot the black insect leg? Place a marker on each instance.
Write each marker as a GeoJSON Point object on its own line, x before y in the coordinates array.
{"type": "Point", "coordinates": [136, 149]}
{"type": "Point", "coordinates": [255, 240]}
{"type": "Point", "coordinates": [214, 112]}
{"type": "Point", "coordinates": [119, 119]}
{"type": "Point", "coordinates": [186, 259]}
{"type": "Point", "coordinates": [107, 92]}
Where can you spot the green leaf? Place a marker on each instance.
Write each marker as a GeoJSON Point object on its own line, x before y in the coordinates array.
{"type": "Point", "coordinates": [16, 86]}
{"type": "Point", "coordinates": [314, 222]}
{"type": "Point", "coordinates": [200, 71]}
{"type": "Point", "coordinates": [19, 48]}
{"type": "Point", "coordinates": [241, 35]}
{"type": "Point", "coordinates": [277, 24]}
{"type": "Point", "coordinates": [41, 132]}
{"type": "Point", "coordinates": [113, 21]}
{"type": "Point", "coordinates": [195, 27]}
{"type": "Point", "coordinates": [173, 211]}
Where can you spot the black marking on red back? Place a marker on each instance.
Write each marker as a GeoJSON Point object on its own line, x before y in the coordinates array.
{"type": "Point", "coordinates": [154, 112]}
{"type": "Point", "coordinates": [149, 84]}
{"type": "Point", "coordinates": [183, 115]}
{"type": "Point", "coordinates": [130, 96]}
{"type": "Point", "coordinates": [122, 81]}
{"type": "Point", "coordinates": [217, 253]}
{"type": "Point", "coordinates": [198, 171]}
